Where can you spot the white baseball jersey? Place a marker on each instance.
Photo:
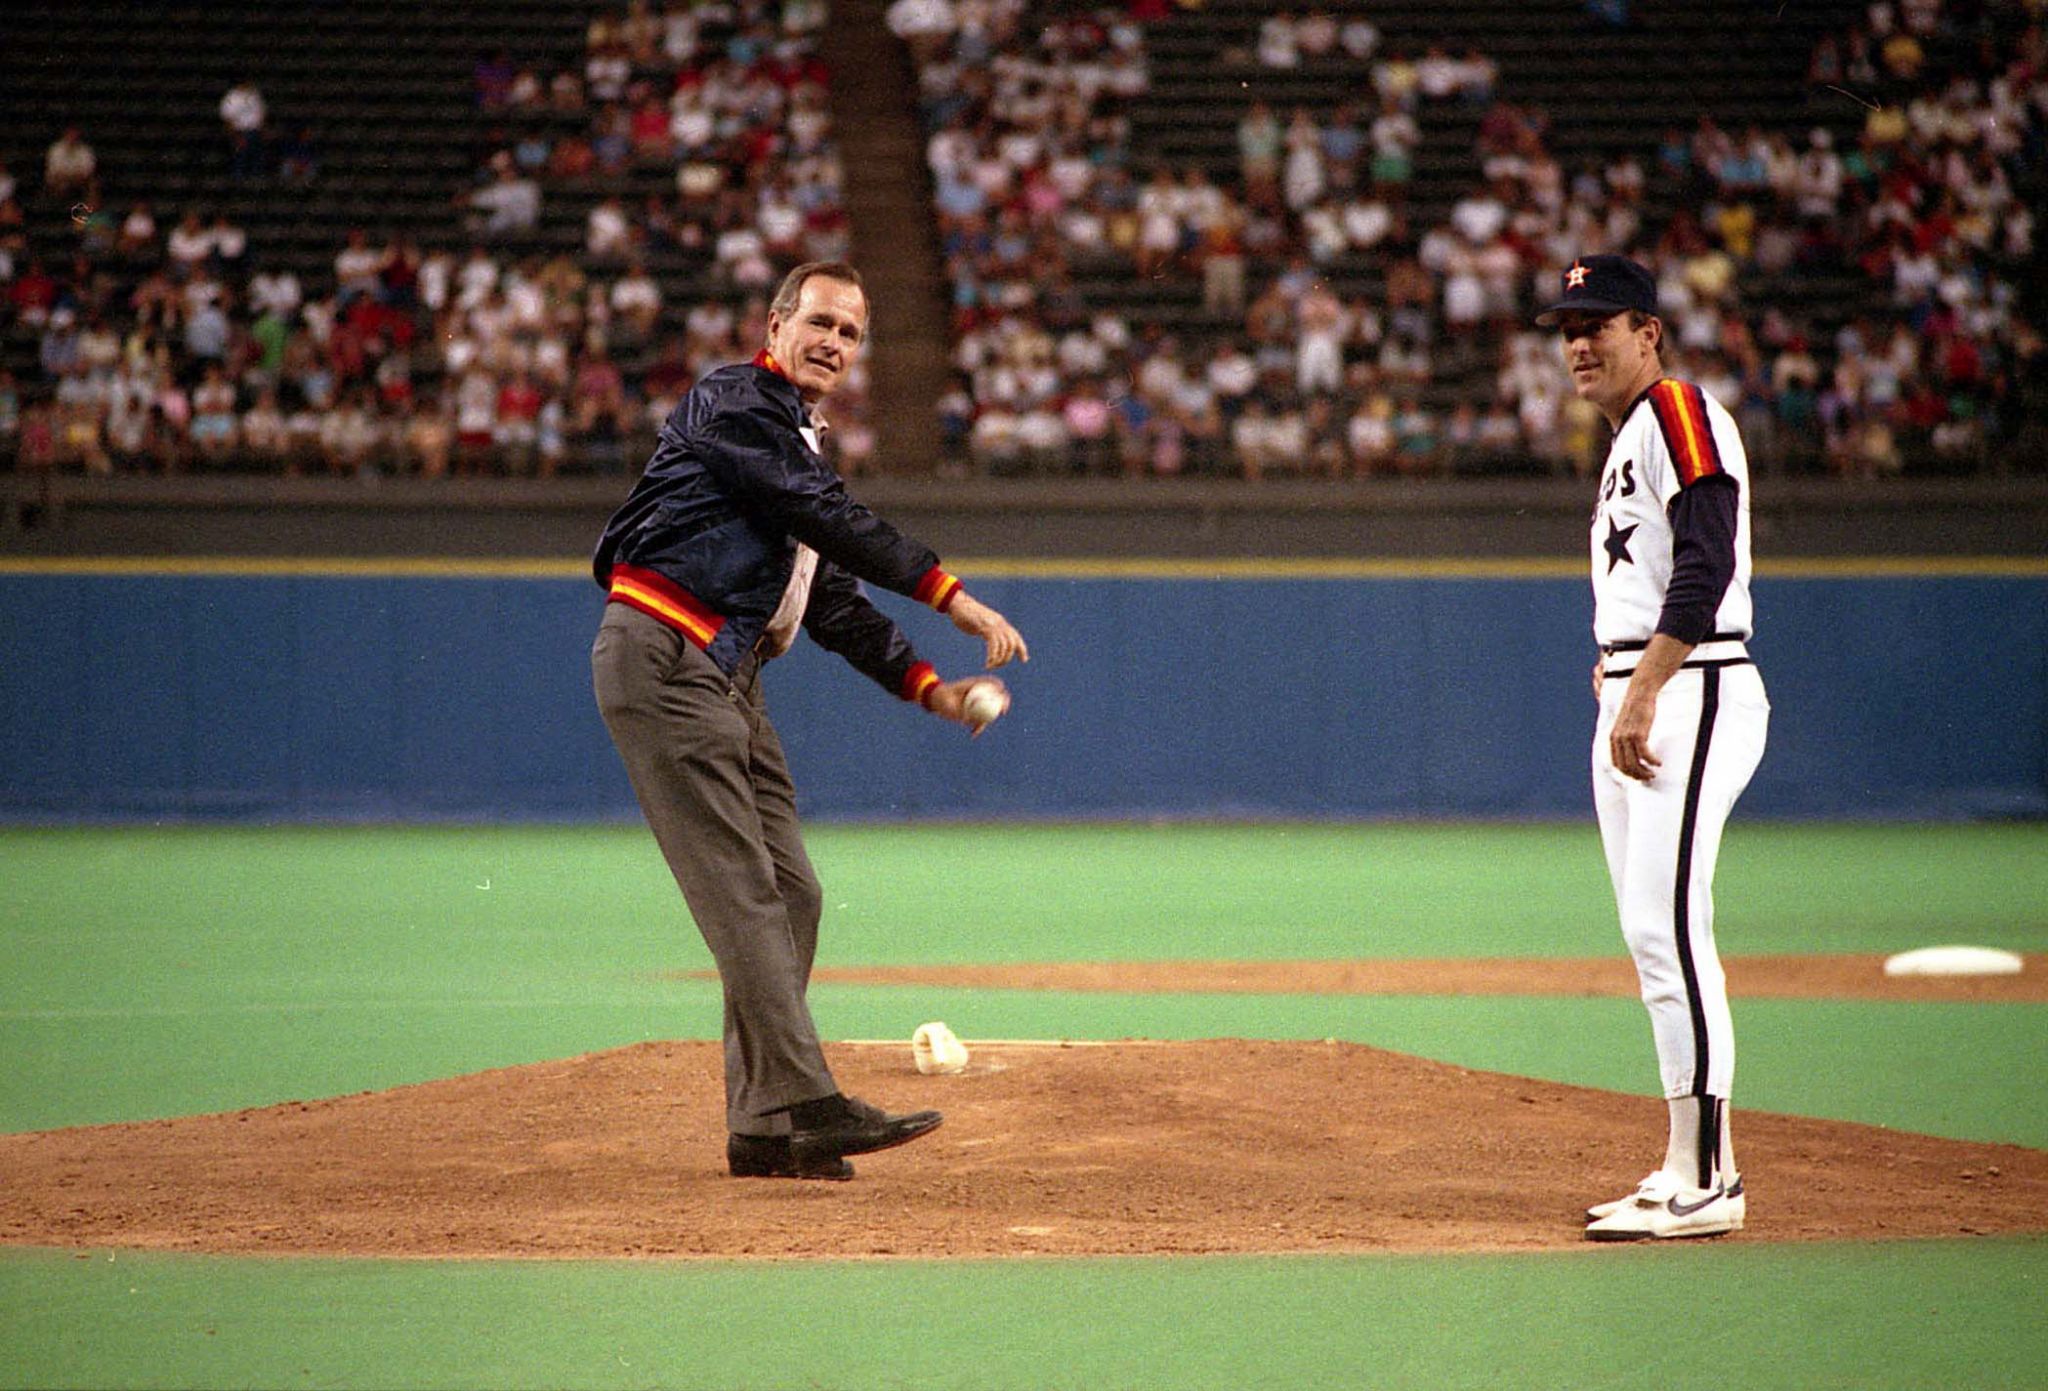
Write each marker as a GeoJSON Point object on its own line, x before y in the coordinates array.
{"type": "Point", "coordinates": [1674, 435]}
{"type": "Point", "coordinates": [1663, 836]}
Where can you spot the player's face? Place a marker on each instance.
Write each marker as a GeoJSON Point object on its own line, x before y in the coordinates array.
{"type": "Point", "coordinates": [1610, 362]}
{"type": "Point", "coordinates": [817, 341]}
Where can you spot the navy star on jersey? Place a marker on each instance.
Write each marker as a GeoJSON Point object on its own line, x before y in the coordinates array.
{"type": "Point", "coordinates": [1616, 544]}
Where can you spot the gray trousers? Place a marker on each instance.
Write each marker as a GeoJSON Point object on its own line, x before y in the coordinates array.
{"type": "Point", "coordinates": [711, 779]}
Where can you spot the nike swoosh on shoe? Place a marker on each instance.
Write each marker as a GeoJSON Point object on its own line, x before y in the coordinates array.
{"type": "Point", "coordinates": [1683, 1209]}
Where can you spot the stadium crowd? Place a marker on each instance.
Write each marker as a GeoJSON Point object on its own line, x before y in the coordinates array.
{"type": "Point", "coordinates": [510, 354]}
{"type": "Point", "coordinates": [1037, 184]}
{"type": "Point", "coordinates": [1340, 334]}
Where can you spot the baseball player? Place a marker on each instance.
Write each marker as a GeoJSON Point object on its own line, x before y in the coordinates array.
{"type": "Point", "coordinates": [1682, 717]}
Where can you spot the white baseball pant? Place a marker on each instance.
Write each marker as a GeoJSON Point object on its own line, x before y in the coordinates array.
{"type": "Point", "coordinates": [1662, 839]}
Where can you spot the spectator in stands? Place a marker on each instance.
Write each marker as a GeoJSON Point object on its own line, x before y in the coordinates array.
{"type": "Point", "coordinates": [647, 126]}
{"type": "Point", "coordinates": [58, 352]}
{"type": "Point", "coordinates": [1394, 136]}
{"type": "Point", "coordinates": [171, 422]}
{"type": "Point", "coordinates": [298, 157]}
{"type": "Point", "coordinates": [214, 422]}
{"type": "Point", "coordinates": [740, 253]}
{"type": "Point", "coordinates": [250, 156]}
{"type": "Point", "coordinates": [565, 93]}
{"type": "Point", "coordinates": [69, 165]}
{"type": "Point", "coordinates": [492, 79]}
{"type": "Point", "coordinates": [507, 205]}
{"type": "Point", "coordinates": [264, 442]}
{"type": "Point", "coordinates": [1322, 324]}
{"type": "Point", "coordinates": [275, 291]}
{"type": "Point", "coordinates": [189, 246]}
{"type": "Point", "coordinates": [527, 93]}
{"type": "Point", "coordinates": [607, 231]}
{"type": "Point", "coordinates": [1304, 177]}
{"type": "Point", "coordinates": [36, 453]}
{"type": "Point", "coordinates": [1284, 444]}
{"type": "Point", "coordinates": [533, 151]}
{"type": "Point", "coordinates": [302, 424]}
{"type": "Point", "coordinates": [599, 396]}
{"type": "Point", "coordinates": [1316, 35]}
{"type": "Point", "coordinates": [518, 415]}
{"type": "Point", "coordinates": [136, 243]}
{"type": "Point", "coordinates": [1279, 44]}
{"type": "Point", "coordinates": [1220, 252]}
{"type": "Point", "coordinates": [1261, 140]}
{"type": "Point", "coordinates": [357, 268]}
{"type": "Point", "coordinates": [1369, 434]}
{"type": "Point", "coordinates": [242, 109]}
{"type": "Point", "coordinates": [351, 436]}
{"type": "Point", "coordinates": [80, 438]}
{"type": "Point", "coordinates": [426, 438]}
{"type": "Point", "coordinates": [208, 331]}
{"type": "Point", "coordinates": [399, 267]}
{"type": "Point", "coordinates": [228, 245]}
{"type": "Point", "coordinates": [606, 73]}
{"type": "Point", "coordinates": [1418, 438]}
{"type": "Point", "coordinates": [476, 278]}
{"type": "Point", "coordinates": [1499, 436]}
{"type": "Point", "coordinates": [476, 420]}
{"type": "Point", "coordinates": [993, 439]}
{"type": "Point", "coordinates": [669, 377]}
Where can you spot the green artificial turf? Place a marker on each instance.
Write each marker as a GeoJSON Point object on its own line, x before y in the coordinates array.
{"type": "Point", "coordinates": [1710, 1316]}
{"type": "Point", "coordinates": [155, 972]}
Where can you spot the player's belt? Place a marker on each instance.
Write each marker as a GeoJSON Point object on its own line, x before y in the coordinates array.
{"type": "Point", "coordinates": [1720, 650]}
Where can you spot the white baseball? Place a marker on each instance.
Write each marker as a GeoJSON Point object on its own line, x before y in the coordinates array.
{"type": "Point", "coordinates": [936, 1049]}
{"type": "Point", "coordinates": [984, 703]}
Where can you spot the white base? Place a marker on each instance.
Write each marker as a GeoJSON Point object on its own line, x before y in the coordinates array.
{"type": "Point", "coordinates": [1953, 961]}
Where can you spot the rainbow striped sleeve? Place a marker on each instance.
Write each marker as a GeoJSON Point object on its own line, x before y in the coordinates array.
{"type": "Point", "coordinates": [937, 588]}
{"type": "Point", "coordinates": [664, 599]}
{"type": "Point", "coordinates": [919, 682]}
{"type": "Point", "coordinates": [1682, 415]}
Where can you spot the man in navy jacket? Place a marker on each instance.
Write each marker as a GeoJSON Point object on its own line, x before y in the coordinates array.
{"type": "Point", "coordinates": [737, 533]}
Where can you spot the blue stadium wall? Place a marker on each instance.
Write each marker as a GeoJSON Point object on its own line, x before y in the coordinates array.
{"type": "Point", "coordinates": [408, 696]}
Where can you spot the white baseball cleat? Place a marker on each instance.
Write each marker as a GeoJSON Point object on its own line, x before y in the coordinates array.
{"type": "Point", "coordinates": [1657, 1185]}
{"type": "Point", "coordinates": [1654, 1215]}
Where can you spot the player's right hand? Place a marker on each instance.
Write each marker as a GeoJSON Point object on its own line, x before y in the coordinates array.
{"type": "Point", "coordinates": [1628, 743]}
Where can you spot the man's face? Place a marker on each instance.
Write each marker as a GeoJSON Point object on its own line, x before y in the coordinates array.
{"type": "Point", "coordinates": [1610, 363]}
{"type": "Point", "coordinates": [816, 343]}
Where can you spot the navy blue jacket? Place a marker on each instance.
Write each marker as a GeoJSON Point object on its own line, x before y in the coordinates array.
{"type": "Point", "coordinates": [707, 538]}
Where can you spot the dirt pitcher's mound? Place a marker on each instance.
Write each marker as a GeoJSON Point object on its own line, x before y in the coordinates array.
{"type": "Point", "coordinates": [1222, 1145]}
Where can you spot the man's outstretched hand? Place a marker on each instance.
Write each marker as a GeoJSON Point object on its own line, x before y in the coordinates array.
{"type": "Point", "coordinates": [977, 619]}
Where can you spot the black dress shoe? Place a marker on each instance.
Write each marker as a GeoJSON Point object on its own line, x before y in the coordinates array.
{"type": "Point", "coordinates": [768, 1156]}
{"type": "Point", "coordinates": [823, 1131]}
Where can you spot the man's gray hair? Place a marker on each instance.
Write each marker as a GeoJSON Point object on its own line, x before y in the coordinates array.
{"type": "Point", "coordinates": [792, 287]}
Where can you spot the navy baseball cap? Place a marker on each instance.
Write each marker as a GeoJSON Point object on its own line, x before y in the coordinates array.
{"type": "Point", "coordinates": [1603, 285]}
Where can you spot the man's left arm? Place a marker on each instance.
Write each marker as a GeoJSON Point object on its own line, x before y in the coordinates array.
{"type": "Point", "coordinates": [1703, 522]}
{"type": "Point", "coordinates": [840, 618]}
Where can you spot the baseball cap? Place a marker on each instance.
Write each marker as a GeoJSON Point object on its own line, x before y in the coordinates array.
{"type": "Point", "coordinates": [1603, 285]}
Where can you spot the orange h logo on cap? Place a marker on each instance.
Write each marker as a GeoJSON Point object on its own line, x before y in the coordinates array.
{"type": "Point", "coordinates": [1575, 277]}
